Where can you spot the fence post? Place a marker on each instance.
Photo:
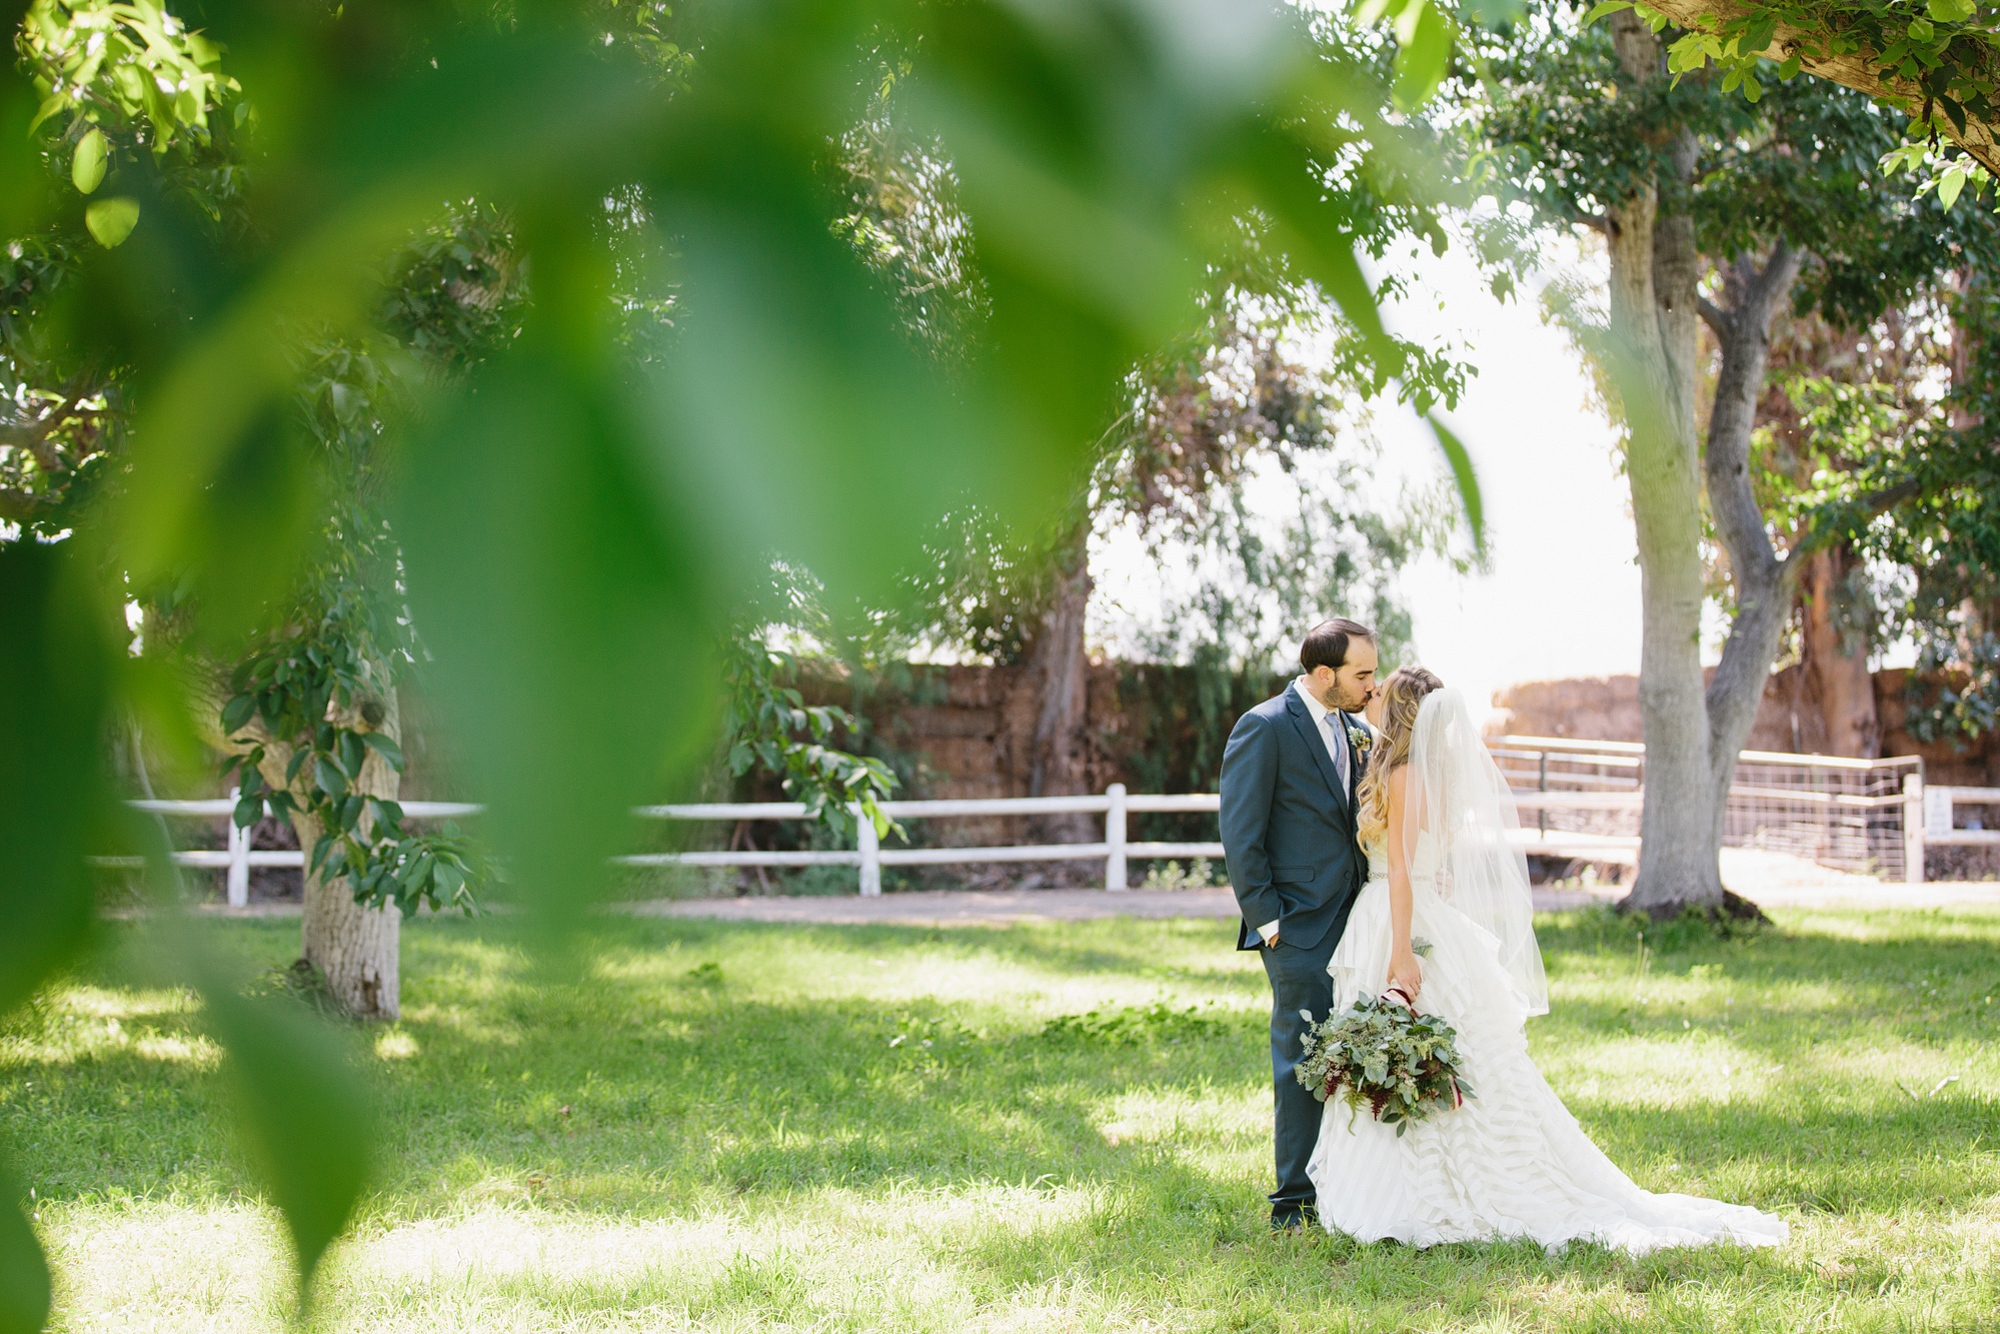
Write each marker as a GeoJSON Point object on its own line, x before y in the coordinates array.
{"type": "Point", "coordinates": [1114, 838]}
{"type": "Point", "coordinates": [871, 852]}
{"type": "Point", "coordinates": [1937, 809]}
{"type": "Point", "coordinates": [1542, 815]}
{"type": "Point", "coordinates": [1913, 828]}
{"type": "Point", "coordinates": [239, 859]}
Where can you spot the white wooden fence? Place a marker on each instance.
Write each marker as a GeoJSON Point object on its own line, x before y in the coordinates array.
{"type": "Point", "coordinates": [1940, 814]}
{"type": "Point", "coordinates": [1582, 780]}
{"type": "Point", "coordinates": [868, 855]}
{"type": "Point", "coordinates": [237, 857]}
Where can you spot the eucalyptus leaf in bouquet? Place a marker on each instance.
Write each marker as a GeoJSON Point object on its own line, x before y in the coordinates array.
{"type": "Point", "coordinates": [1381, 1054]}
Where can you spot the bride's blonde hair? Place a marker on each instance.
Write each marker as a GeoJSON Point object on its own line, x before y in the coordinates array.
{"type": "Point", "coordinates": [1402, 694]}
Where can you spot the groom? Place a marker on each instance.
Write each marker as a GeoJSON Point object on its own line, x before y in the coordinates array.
{"type": "Point", "coordinates": [1289, 776]}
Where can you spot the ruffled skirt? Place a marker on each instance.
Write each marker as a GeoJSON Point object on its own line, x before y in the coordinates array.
{"type": "Point", "coordinates": [1511, 1162]}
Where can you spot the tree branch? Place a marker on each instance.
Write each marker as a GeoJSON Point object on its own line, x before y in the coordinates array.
{"type": "Point", "coordinates": [1857, 70]}
{"type": "Point", "coordinates": [1765, 286]}
{"type": "Point", "coordinates": [1744, 333]}
{"type": "Point", "coordinates": [1713, 316]}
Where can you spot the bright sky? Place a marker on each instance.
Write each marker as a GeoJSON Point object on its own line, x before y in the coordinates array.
{"type": "Point", "coordinates": [1562, 595]}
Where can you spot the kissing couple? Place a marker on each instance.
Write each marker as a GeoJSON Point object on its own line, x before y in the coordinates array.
{"type": "Point", "coordinates": [1352, 845]}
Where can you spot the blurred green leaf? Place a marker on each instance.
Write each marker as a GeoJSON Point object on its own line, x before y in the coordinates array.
{"type": "Point", "coordinates": [1311, 228]}
{"type": "Point", "coordinates": [1494, 13]}
{"type": "Point", "coordinates": [570, 621]}
{"type": "Point", "coordinates": [54, 681]}
{"type": "Point", "coordinates": [391, 753]}
{"type": "Point", "coordinates": [88, 163]}
{"type": "Point", "coordinates": [54, 804]}
{"type": "Point", "coordinates": [586, 495]}
{"type": "Point", "coordinates": [845, 420]}
{"type": "Point", "coordinates": [1468, 480]}
{"type": "Point", "coordinates": [111, 220]}
{"type": "Point", "coordinates": [24, 1272]}
{"type": "Point", "coordinates": [304, 1120]}
{"type": "Point", "coordinates": [238, 712]}
{"type": "Point", "coordinates": [531, 112]}
{"type": "Point", "coordinates": [1423, 54]}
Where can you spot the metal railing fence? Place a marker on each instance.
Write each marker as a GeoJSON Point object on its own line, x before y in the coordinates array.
{"type": "Point", "coordinates": [1860, 816]}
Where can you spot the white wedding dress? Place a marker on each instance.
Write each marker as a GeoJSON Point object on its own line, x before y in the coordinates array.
{"type": "Point", "coordinates": [1512, 1161]}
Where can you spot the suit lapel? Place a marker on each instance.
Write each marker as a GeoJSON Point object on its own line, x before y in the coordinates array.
{"type": "Point", "coordinates": [1316, 744]}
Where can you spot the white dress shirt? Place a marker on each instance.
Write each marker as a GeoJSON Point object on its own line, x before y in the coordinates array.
{"type": "Point", "coordinates": [1334, 734]}
{"type": "Point", "coordinates": [1332, 730]}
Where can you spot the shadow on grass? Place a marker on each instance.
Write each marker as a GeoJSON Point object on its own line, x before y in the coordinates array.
{"type": "Point", "coordinates": [673, 1080]}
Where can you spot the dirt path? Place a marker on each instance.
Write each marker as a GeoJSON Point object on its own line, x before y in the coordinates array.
{"type": "Point", "coordinates": [1771, 879]}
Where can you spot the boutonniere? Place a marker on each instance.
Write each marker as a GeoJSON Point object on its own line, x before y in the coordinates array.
{"type": "Point", "coordinates": [1360, 738]}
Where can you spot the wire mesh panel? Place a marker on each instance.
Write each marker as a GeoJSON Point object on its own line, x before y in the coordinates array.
{"type": "Point", "coordinates": [1844, 814]}
{"type": "Point", "coordinates": [1555, 770]}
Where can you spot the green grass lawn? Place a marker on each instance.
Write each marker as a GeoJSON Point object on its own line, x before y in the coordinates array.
{"type": "Point", "coordinates": [737, 1126]}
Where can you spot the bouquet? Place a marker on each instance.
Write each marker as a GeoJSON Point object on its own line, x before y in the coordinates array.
{"type": "Point", "coordinates": [1382, 1054]}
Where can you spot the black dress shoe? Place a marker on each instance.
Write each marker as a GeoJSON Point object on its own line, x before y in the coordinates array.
{"type": "Point", "coordinates": [1295, 1223]}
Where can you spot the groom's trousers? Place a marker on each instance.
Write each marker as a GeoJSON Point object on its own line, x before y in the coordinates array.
{"type": "Point", "coordinates": [1299, 981]}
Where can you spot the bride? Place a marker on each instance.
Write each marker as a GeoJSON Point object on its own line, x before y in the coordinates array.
{"type": "Point", "coordinates": [1512, 1162]}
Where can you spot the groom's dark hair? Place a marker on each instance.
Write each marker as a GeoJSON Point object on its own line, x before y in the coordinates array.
{"type": "Point", "coordinates": [1326, 643]}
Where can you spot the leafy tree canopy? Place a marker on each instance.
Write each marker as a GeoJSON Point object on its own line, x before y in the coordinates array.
{"type": "Point", "coordinates": [581, 285]}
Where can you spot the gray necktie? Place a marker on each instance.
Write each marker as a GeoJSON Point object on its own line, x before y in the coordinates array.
{"type": "Point", "coordinates": [1340, 762]}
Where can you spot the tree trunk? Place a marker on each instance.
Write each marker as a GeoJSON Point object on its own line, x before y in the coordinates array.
{"type": "Point", "coordinates": [1837, 660]}
{"type": "Point", "coordinates": [353, 947]}
{"type": "Point", "coordinates": [1764, 583]}
{"type": "Point", "coordinates": [1692, 734]}
{"type": "Point", "coordinates": [1652, 354]}
{"type": "Point", "coordinates": [1058, 673]}
{"type": "Point", "coordinates": [1681, 829]}
{"type": "Point", "coordinates": [356, 948]}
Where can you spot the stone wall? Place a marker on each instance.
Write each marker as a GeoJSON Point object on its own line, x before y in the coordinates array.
{"type": "Point", "coordinates": [1606, 708]}
{"type": "Point", "coordinates": [967, 732]}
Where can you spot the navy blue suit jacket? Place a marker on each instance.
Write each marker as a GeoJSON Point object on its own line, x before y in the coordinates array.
{"type": "Point", "coordinates": [1287, 827]}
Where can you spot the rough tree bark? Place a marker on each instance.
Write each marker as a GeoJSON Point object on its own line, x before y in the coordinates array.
{"type": "Point", "coordinates": [1839, 669]}
{"type": "Point", "coordinates": [1654, 268]}
{"type": "Point", "coordinates": [1763, 581]}
{"type": "Point", "coordinates": [355, 948]}
{"type": "Point", "coordinates": [1693, 735]}
{"type": "Point", "coordinates": [1058, 673]}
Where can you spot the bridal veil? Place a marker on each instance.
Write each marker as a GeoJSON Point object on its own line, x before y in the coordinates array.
{"type": "Point", "coordinates": [1459, 835]}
